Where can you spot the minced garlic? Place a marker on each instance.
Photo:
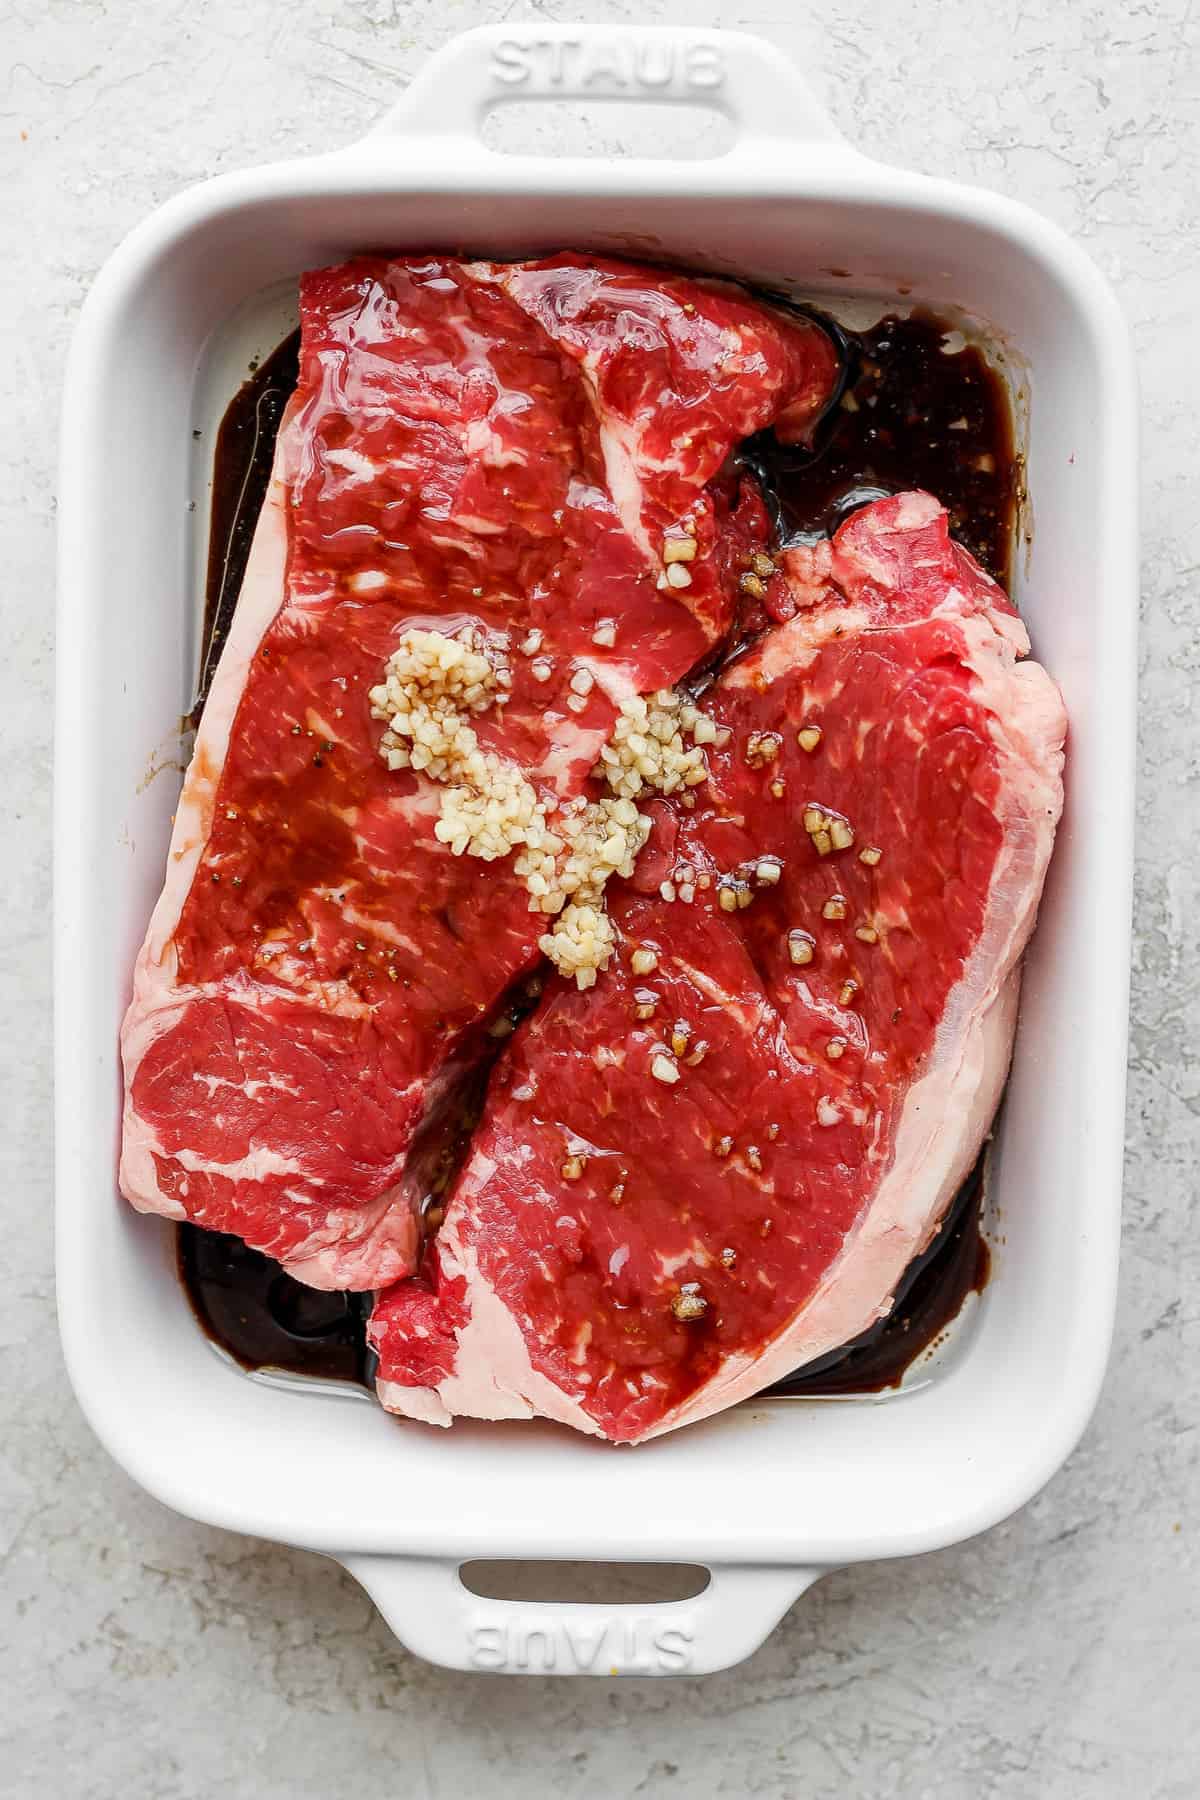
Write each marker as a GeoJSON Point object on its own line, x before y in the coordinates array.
{"type": "Point", "coordinates": [488, 809]}
{"type": "Point", "coordinates": [689, 1303]}
{"type": "Point", "coordinates": [646, 749]}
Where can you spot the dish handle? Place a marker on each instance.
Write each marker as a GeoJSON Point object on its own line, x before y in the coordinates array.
{"type": "Point", "coordinates": [731, 72]}
{"type": "Point", "coordinates": [432, 1612]}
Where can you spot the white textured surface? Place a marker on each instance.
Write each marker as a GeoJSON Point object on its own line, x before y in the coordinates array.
{"type": "Point", "coordinates": [1060, 1655]}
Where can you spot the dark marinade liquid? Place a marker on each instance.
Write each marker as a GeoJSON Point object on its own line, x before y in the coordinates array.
{"type": "Point", "coordinates": [266, 1320]}
{"type": "Point", "coordinates": [927, 1301]}
{"type": "Point", "coordinates": [910, 413]}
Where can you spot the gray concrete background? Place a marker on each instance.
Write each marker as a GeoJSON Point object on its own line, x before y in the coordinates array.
{"type": "Point", "coordinates": [1060, 1655]}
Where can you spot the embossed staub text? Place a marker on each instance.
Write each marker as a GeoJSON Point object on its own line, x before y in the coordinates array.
{"type": "Point", "coordinates": [538, 1644]}
{"type": "Point", "coordinates": [607, 63]}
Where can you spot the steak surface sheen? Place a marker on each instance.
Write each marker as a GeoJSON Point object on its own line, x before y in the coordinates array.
{"type": "Point", "coordinates": [691, 1180]}
{"type": "Point", "coordinates": [496, 447]}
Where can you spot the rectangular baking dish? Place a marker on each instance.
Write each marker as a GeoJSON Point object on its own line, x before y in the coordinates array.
{"type": "Point", "coordinates": [775, 1493]}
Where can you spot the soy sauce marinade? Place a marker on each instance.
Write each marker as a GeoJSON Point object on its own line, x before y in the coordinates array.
{"type": "Point", "coordinates": [911, 414]}
{"type": "Point", "coordinates": [242, 458]}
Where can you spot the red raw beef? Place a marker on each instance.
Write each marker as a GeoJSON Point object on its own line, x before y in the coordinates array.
{"type": "Point", "coordinates": [470, 444]}
{"type": "Point", "coordinates": [629, 1254]}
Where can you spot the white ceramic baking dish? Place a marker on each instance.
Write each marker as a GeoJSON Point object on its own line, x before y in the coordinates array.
{"type": "Point", "coordinates": [773, 1494]}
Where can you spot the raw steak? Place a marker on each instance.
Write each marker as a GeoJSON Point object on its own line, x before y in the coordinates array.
{"type": "Point", "coordinates": [469, 445]}
{"type": "Point", "coordinates": [692, 1180]}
